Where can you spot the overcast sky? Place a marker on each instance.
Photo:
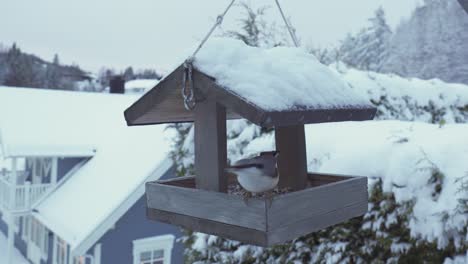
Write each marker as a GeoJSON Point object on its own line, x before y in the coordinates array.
{"type": "Point", "coordinates": [150, 33]}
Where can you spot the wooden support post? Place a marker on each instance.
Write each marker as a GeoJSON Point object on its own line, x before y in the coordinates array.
{"type": "Point", "coordinates": [292, 162]}
{"type": "Point", "coordinates": [210, 146]}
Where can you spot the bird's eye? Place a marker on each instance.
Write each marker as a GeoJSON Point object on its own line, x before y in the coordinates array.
{"type": "Point", "coordinates": [259, 166]}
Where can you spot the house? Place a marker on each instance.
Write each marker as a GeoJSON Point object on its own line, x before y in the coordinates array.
{"type": "Point", "coordinates": [137, 86]}
{"type": "Point", "coordinates": [72, 185]}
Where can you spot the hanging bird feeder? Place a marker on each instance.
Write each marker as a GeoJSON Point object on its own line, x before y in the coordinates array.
{"type": "Point", "coordinates": [209, 97]}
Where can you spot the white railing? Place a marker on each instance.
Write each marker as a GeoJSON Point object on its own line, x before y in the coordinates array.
{"type": "Point", "coordinates": [20, 197]}
{"type": "Point", "coordinates": [4, 193]}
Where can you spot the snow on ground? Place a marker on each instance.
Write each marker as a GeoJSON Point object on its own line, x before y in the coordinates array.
{"type": "Point", "coordinates": [404, 155]}
{"type": "Point", "coordinates": [17, 257]}
{"type": "Point", "coordinates": [264, 76]}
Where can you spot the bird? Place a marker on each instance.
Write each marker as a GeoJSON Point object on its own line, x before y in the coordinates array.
{"type": "Point", "coordinates": [258, 174]}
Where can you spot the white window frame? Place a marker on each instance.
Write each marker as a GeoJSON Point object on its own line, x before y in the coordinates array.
{"type": "Point", "coordinates": [164, 242]}
{"type": "Point", "coordinates": [25, 228]}
{"type": "Point", "coordinates": [61, 251]}
{"type": "Point", "coordinates": [39, 236]}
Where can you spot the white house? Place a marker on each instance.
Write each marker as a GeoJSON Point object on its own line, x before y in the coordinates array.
{"type": "Point", "coordinates": [72, 178]}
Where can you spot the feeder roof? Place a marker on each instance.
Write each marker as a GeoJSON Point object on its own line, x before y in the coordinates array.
{"type": "Point", "coordinates": [270, 87]}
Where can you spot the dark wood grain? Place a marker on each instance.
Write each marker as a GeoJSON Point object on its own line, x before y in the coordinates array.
{"type": "Point", "coordinates": [292, 160]}
{"type": "Point", "coordinates": [215, 206]}
{"type": "Point", "coordinates": [260, 221]}
{"type": "Point", "coordinates": [311, 203]}
{"type": "Point", "coordinates": [210, 146]}
{"type": "Point", "coordinates": [317, 223]}
{"type": "Point", "coordinates": [246, 235]}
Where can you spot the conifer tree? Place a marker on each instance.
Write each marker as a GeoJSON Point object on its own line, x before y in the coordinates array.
{"type": "Point", "coordinates": [53, 78]}
{"type": "Point", "coordinates": [431, 43]}
{"type": "Point", "coordinates": [368, 49]}
{"type": "Point", "coordinates": [20, 69]}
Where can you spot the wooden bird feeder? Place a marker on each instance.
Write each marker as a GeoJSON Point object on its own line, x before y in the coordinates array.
{"type": "Point", "coordinates": [201, 203]}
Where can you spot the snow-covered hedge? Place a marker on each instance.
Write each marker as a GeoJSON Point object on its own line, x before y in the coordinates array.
{"type": "Point", "coordinates": [418, 175]}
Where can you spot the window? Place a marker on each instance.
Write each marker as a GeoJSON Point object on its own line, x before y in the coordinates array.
{"type": "Point", "coordinates": [61, 251]}
{"type": "Point", "coordinates": [87, 259]}
{"type": "Point", "coordinates": [25, 228]}
{"type": "Point", "coordinates": [153, 250]}
{"type": "Point", "coordinates": [152, 257]}
{"type": "Point", "coordinates": [39, 236]}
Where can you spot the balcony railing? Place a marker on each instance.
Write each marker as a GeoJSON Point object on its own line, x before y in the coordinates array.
{"type": "Point", "coordinates": [20, 197]}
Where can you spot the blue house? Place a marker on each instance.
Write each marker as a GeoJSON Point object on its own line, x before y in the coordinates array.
{"type": "Point", "coordinates": [72, 178]}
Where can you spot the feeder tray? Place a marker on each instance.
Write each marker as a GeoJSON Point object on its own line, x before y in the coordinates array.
{"type": "Point", "coordinates": [202, 203]}
{"type": "Point", "coordinates": [328, 200]}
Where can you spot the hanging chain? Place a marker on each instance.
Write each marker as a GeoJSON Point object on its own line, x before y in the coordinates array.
{"type": "Point", "coordinates": [187, 83]}
{"type": "Point", "coordinates": [187, 87]}
{"type": "Point", "coordinates": [290, 29]}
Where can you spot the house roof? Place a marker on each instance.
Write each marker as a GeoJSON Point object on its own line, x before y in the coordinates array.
{"type": "Point", "coordinates": [27, 131]}
{"type": "Point", "coordinates": [144, 84]}
{"type": "Point", "coordinates": [124, 159]}
{"type": "Point", "coordinates": [274, 87]}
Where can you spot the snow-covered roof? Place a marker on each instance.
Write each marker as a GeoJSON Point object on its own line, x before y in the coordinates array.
{"type": "Point", "coordinates": [125, 157]}
{"type": "Point", "coordinates": [138, 84]}
{"type": "Point", "coordinates": [270, 87]}
{"type": "Point", "coordinates": [276, 79]}
{"type": "Point", "coordinates": [26, 131]}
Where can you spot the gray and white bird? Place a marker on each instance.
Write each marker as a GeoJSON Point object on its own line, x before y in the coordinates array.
{"type": "Point", "coordinates": [257, 174]}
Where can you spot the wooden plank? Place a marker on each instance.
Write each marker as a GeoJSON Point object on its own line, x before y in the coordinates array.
{"type": "Point", "coordinates": [246, 235]}
{"type": "Point", "coordinates": [214, 206]}
{"type": "Point", "coordinates": [292, 160]}
{"type": "Point", "coordinates": [328, 177]}
{"type": "Point", "coordinates": [314, 178]}
{"type": "Point", "coordinates": [210, 146]}
{"type": "Point", "coordinates": [314, 202]}
{"type": "Point", "coordinates": [161, 97]}
{"type": "Point", "coordinates": [186, 182]}
{"type": "Point", "coordinates": [189, 181]}
{"type": "Point", "coordinates": [164, 104]}
{"type": "Point", "coordinates": [312, 116]}
{"type": "Point", "coordinates": [319, 222]}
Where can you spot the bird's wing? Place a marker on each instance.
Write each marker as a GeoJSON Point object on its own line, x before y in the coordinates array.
{"type": "Point", "coordinates": [247, 163]}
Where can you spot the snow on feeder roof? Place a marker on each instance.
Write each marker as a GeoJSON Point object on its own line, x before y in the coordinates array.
{"type": "Point", "coordinates": [277, 86]}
